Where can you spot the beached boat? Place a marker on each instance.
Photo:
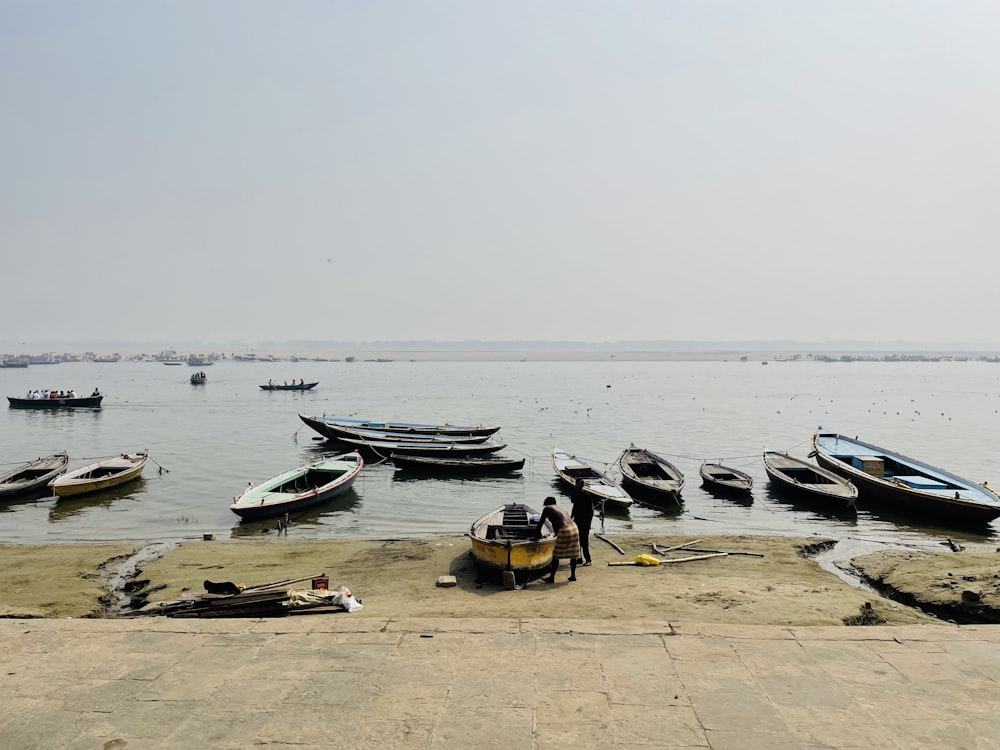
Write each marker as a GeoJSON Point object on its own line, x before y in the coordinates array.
{"type": "Point", "coordinates": [650, 478]}
{"type": "Point", "coordinates": [722, 478]}
{"type": "Point", "coordinates": [478, 466]}
{"type": "Point", "coordinates": [337, 432]}
{"type": "Point", "coordinates": [199, 378]}
{"type": "Point", "coordinates": [408, 428]}
{"type": "Point", "coordinates": [289, 387]}
{"type": "Point", "coordinates": [890, 479]}
{"type": "Point", "coordinates": [503, 541]}
{"type": "Point", "coordinates": [57, 402]}
{"type": "Point", "coordinates": [603, 489]}
{"type": "Point", "coordinates": [389, 448]}
{"type": "Point", "coordinates": [101, 475]}
{"type": "Point", "coordinates": [299, 488]}
{"type": "Point", "coordinates": [802, 478]}
{"type": "Point", "coordinates": [32, 475]}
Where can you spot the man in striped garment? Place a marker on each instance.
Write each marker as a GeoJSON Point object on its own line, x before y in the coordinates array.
{"type": "Point", "coordinates": [567, 538]}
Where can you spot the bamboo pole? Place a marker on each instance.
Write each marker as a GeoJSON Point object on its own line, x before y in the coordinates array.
{"type": "Point", "coordinates": [660, 551]}
{"type": "Point", "coordinates": [695, 557]}
{"type": "Point", "coordinates": [605, 539]}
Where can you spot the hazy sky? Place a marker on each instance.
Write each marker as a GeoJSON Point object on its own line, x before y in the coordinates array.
{"type": "Point", "coordinates": [507, 170]}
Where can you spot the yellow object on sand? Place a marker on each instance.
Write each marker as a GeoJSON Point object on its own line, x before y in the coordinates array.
{"type": "Point", "coordinates": [646, 560]}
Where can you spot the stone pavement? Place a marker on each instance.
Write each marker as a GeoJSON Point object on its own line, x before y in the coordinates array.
{"type": "Point", "coordinates": [352, 682]}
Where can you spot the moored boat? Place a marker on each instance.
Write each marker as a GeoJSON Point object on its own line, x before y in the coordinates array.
{"type": "Point", "coordinates": [599, 486]}
{"type": "Point", "coordinates": [723, 478]}
{"type": "Point", "coordinates": [299, 488]}
{"type": "Point", "coordinates": [405, 428]}
{"type": "Point", "coordinates": [337, 432]}
{"type": "Point", "coordinates": [387, 448]}
{"type": "Point", "coordinates": [302, 386]}
{"type": "Point", "coordinates": [475, 465]}
{"type": "Point", "coordinates": [503, 541]}
{"type": "Point", "coordinates": [890, 479]}
{"type": "Point", "coordinates": [649, 477]}
{"type": "Point", "coordinates": [101, 475]}
{"type": "Point", "coordinates": [800, 477]}
{"type": "Point", "coordinates": [32, 475]}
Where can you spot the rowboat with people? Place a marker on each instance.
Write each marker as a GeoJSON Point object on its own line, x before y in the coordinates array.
{"type": "Point", "coordinates": [47, 399]}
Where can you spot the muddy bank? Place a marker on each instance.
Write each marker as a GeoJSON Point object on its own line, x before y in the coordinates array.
{"type": "Point", "coordinates": [777, 581]}
{"type": "Point", "coordinates": [962, 587]}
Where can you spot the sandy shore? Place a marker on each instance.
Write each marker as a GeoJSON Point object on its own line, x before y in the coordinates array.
{"type": "Point", "coordinates": [773, 582]}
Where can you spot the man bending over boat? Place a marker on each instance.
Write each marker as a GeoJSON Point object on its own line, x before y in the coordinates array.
{"type": "Point", "coordinates": [567, 538]}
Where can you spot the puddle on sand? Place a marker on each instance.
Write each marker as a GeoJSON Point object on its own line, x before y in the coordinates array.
{"type": "Point", "coordinates": [118, 576]}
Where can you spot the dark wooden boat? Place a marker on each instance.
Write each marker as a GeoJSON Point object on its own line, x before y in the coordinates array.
{"type": "Point", "coordinates": [336, 432]}
{"type": "Point", "coordinates": [405, 428]}
{"type": "Point", "coordinates": [504, 542]}
{"type": "Point", "coordinates": [199, 378]}
{"type": "Point", "coordinates": [604, 490]}
{"type": "Point", "coordinates": [81, 402]}
{"type": "Point", "coordinates": [298, 488]}
{"type": "Point", "coordinates": [479, 466]}
{"type": "Point", "coordinates": [650, 478]}
{"type": "Point", "coordinates": [32, 475]}
{"type": "Point", "coordinates": [889, 479]}
{"type": "Point", "coordinates": [387, 449]}
{"type": "Point", "coordinates": [725, 479]}
{"type": "Point", "coordinates": [799, 477]}
{"type": "Point", "coordinates": [292, 387]}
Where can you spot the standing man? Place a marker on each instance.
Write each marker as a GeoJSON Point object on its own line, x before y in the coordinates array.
{"type": "Point", "coordinates": [567, 538]}
{"type": "Point", "coordinates": [583, 515]}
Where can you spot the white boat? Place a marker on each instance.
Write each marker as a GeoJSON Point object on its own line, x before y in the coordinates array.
{"type": "Point", "coordinates": [298, 488]}
{"type": "Point", "coordinates": [602, 488]}
{"type": "Point", "coordinates": [101, 475]}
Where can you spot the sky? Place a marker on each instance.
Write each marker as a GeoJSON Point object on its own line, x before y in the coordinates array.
{"type": "Point", "coordinates": [564, 170]}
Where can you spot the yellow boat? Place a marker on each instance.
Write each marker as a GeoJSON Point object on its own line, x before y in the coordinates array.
{"type": "Point", "coordinates": [100, 476]}
{"type": "Point", "coordinates": [503, 541]}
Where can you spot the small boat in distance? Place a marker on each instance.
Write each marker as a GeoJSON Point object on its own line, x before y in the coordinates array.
{"type": "Point", "coordinates": [101, 475]}
{"type": "Point", "coordinates": [475, 465]}
{"type": "Point", "coordinates": [799, 477]}
{"type": "Point", "coordinates": [199, 378]}
{"type": "Point", "coordinates": [722, 478]}
{"type": "Point", "coordinates": [603, 489]}
{"type": "Point", "coordinates": [299, 488]}
{"type": "Point", "coordinates": [650, 478]}
{"type": "Point", "coordinates": [300, 386]}
{"type": "Point", "coordinates": [906, 485]}
{"type": "Point", "coordinates": [57, 400]}
{"type": "Point", "coordinates": [32, 475]}
{"type": "Point", "coordinates": [504, 542]}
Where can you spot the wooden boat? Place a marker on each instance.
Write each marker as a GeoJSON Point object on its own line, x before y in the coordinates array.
{"type": "Point", "coordinates": [173, 364]}
{"type": "Point", "coordinates": [390, 448]}
{"type": "Point", "coordinates": [292, 387]}
{"type": "Point", "coordinates": [199, 378]}
{"type": "Point", "coordinates": [503, 541]}
{"type": "Point", "coordinates": [602, 488]}
{"type": "Point", "coordinates": [299, 488]}
{"type": "Point", "coordinates": [80, 402]}
{"type": "Point", "coordinates": [725, 478]}
{"type": "Point", "coordinates": [800, 477]}
{"type": "Point", "coordinates": [479, 466]}
{"type": "Point", "coordinates": [33, 474]}
{"type": "Point", "coordinates": [14, 362]}
{"type": "Point", "coordinates": [407, 428]}
{"type": "Point", "coordinates": [336, 432]}
{"type": "Point", "coordinates": [886, 478]}
{"type": "Point", "coordinates": [649, 477]}
{"type": "Point", "coordinates": [101, 475]}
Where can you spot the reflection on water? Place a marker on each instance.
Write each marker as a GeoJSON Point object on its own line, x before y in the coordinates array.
{"type": "Point", "coordinates": [820, 507]}
{"type": "Point", "coordinates": [64, 508]}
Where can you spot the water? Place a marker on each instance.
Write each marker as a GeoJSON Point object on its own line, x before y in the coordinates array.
{"type": "Point", "coordinates": [213, 439]}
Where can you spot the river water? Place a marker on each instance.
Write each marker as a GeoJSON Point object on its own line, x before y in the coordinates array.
{"type": "Point", "coordinates": [211, 440]}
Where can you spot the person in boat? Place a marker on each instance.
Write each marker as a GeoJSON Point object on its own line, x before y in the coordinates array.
{"type": "Point", "coordinates": [95, 393]}
{"type": "Point", "coordinates": [302, 381]}
{"type": "Point", "coordinates": [72, 394]}
{"type": "Point", "coordinates": [583, 516]}
{"type": "Point", "coordinates": [270, 382]}
{"type": "Point", "coordinates": [567, 538]}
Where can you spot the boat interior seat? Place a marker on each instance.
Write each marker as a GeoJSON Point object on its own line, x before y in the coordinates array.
{"type": "Point", "coordinates": [498, 531]}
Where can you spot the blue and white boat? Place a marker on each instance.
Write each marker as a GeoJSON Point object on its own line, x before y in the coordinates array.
{"type": "Point", "coordinates": [905, 484]}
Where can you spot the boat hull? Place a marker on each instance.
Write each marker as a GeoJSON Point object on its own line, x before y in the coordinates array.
{"type": "Point", "coordinates": [725, 479]}
{"type": "Point", "coordinates": [407, 428]}
{"type": "Point", "coordinates": [291, 491]}
{"type": "Point", "coordinates": [802, 479]}
{"type": "Point", "coordinates": [458, 466]}
{"type": "Point", "coordinates": [32, 475]}
{"type": "Point", "coordinates": [100, 476]}
{"type": "Point", "coordinates": [602, 489]}
{"type": "Point", "coordinates": [302, 387]}
{"type": "Point", "coordinates": [502, 540]}
{"type": "Point", "coordinates": [650, 478]}
{"type": "Point", "coordinates": [85, 402]}
{"type": "Point", "coordinates": [975, 505]}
